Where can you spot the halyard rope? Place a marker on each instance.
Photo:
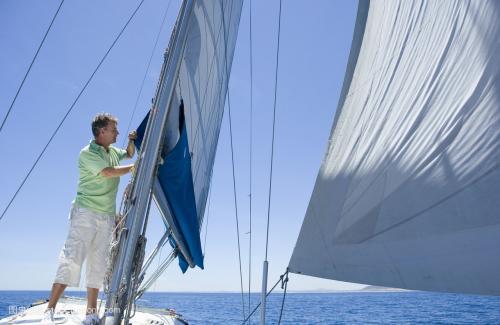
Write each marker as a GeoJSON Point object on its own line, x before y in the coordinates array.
{"type": "Point", "coordinates": [147, 69]}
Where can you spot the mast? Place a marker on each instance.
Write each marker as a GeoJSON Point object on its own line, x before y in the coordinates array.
{"type": "Point", "coordinates": [130, 241]}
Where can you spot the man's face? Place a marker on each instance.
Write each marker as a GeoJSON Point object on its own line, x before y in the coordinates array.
{"type": "Point", "coordinates": [109, 133]}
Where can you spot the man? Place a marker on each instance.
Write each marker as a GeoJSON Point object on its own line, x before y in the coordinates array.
{"type": "Point", "coordinates": [92, 216]}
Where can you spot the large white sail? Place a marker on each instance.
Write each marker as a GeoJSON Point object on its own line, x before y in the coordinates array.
{"type": "Point", "coordinates": [407, 194]}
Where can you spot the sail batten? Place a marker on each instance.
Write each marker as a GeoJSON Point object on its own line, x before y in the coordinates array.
{"type": "Point", "coordinates": [406, 194]}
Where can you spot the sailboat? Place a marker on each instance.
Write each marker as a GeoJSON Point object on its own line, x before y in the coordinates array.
{"type": "Point", "coordinates": [406, 193]}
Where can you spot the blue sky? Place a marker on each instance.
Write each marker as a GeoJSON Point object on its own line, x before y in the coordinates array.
{"type": "Point", "coordinates": [315, 42]}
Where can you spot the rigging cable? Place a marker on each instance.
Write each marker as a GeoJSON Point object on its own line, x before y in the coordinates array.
{"type": "Point", "coordinates": [266, 264]}
{"type": "Point", "coordinates": [147, 70]}
{"type": "Point", "coordinates": [268, 293]}
{"type": "Point", "coordinates": [251, 136]}
{"type": "Point", "coordinates": [284, 285]}
{"type": "Point", "coordinates": [31, 64]}
{"type": "Point", "coordinates": [232, 158]}
{"type": "Point", "coordinates": [206, 222]}
{"type": "Point", "coordinates": [274, 124]}
{"type": "Point", "coordinates": [69, 111]}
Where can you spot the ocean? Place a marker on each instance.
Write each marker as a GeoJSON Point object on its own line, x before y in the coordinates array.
{"type": "Point", "coordinates": [411, 307]}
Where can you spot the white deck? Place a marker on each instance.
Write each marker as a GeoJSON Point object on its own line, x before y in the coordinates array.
{"type": "Point", "coordinates": [71, 310]}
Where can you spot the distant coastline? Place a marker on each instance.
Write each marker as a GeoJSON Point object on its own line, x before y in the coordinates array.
{"type": "Point", "coordinates": [367, 289]}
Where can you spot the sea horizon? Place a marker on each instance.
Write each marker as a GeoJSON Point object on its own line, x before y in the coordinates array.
{"type": "Point", "coordinates": [354, 307]}
{"type": "Point", "coordinates": [238, 292]}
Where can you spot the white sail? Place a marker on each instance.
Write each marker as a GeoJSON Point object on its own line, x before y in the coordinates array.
{"type": "Point", "coordinates": [407, 194]}
{"type": "Point", "coordinates": [195, 73]}
{"type": "Point", "coordinates": [202, 84]}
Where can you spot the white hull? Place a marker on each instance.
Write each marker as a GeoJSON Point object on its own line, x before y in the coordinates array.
{"type": "Point", "coordinates": [71, 310]}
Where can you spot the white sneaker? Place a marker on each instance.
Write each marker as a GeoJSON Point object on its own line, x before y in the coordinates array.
{"type": "Point", "coordinates": [91, 319]}
{"type": "Point", "coordinates": [48, 317]}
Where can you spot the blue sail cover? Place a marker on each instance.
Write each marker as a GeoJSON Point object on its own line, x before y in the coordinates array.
{"type": "Point", "coordinates": [176, 182]}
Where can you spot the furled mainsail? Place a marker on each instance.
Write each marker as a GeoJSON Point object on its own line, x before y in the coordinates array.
{"type": "Point", "coordinates": [407, 194]}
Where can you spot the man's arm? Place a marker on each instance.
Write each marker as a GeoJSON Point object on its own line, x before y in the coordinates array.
{"type": "Point", "coordinates": [131, 147]}
{"type": "Point", "coordinates": [117, 171]}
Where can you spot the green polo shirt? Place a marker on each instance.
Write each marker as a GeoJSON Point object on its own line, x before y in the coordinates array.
{"type": "Point", "coordinates": [95, 192]}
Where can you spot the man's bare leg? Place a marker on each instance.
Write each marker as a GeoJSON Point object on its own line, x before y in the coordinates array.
{"type": "Point", "coordinates": [92, 294]}
{"type": "Point", "coordinates": [55, 294]}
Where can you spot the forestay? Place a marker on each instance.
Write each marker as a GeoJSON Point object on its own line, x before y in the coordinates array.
{"type": "Point", "coordinates": [407, 194]}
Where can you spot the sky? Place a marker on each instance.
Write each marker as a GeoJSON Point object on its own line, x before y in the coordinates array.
{"type": "Point", "coordinates": [315, 42]}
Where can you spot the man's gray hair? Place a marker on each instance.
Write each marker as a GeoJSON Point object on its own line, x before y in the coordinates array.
{"type": "Point", "coordinates": [100, 121]}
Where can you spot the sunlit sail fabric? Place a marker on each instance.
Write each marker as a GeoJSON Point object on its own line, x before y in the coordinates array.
{"type": "Point", "coordinates": [202, 85]}
{"type": "Point", "coordinates": [408, 192]}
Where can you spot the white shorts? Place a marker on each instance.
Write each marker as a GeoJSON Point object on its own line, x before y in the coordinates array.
{"type": "Point", "coordinates": [89, 236]}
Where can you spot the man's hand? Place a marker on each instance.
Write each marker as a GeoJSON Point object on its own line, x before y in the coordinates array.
{"type": "Point", "coordinates": [134, 167]}
{"type": "Point", "coordinates": [131, 147]}
{"type": "Point", "coordinates": [116, 171]}
{"type": "Point", "coordinates": [132, 135]}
